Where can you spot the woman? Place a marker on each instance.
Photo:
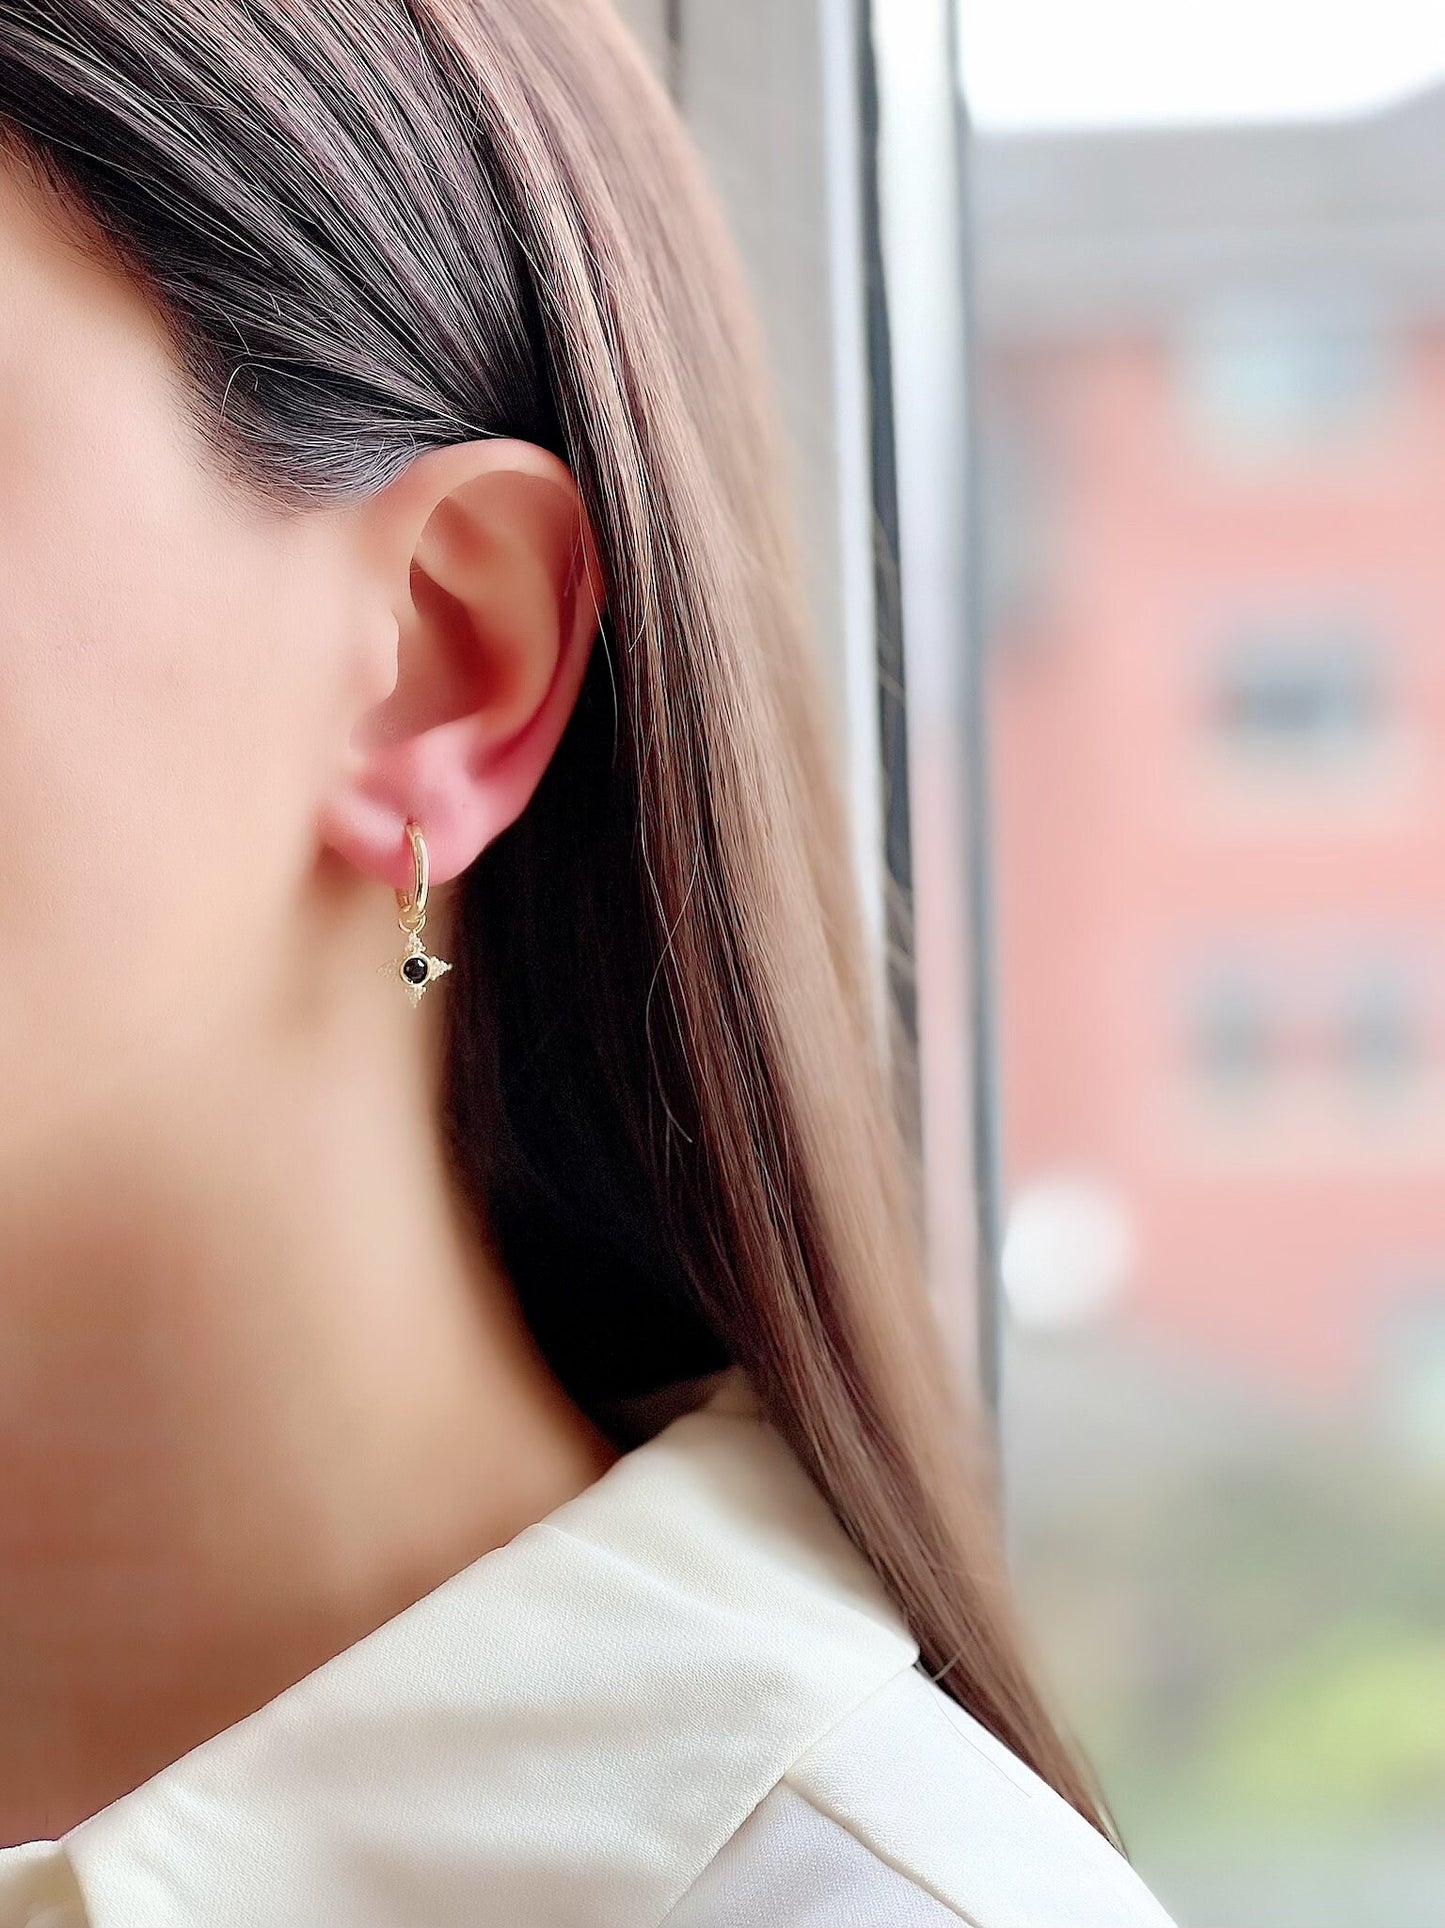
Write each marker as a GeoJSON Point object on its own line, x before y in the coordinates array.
{"type": "Point", "coordinates": [471, 1438]}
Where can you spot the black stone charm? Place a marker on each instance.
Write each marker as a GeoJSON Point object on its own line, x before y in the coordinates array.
{"type": "Point", "coordinates": [416, 967]}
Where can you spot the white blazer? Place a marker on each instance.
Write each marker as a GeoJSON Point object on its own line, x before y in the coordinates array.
{"type": "Point", "coordinates": [681, 1700]}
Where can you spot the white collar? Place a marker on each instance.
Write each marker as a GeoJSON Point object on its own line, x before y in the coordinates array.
{"type": "Point", "coordinates": [562, 1733]}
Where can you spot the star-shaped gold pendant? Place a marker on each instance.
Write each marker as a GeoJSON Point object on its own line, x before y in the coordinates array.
{"type": "Point", "coordinates": [415, 968]}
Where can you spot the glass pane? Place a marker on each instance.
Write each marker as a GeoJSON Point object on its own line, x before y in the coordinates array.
{"type": "Point", "coordinates": [1210, 302]}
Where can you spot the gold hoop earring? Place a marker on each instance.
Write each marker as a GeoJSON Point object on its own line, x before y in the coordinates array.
{"type": "Point", "coordinates": [415, 968]}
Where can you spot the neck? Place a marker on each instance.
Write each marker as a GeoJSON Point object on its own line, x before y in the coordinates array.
{"type": "Point", "coordinates": [262, 1385]}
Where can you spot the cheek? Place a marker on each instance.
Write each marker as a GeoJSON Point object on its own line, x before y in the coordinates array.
{"type": "Point", "coordinates": [158, 693]}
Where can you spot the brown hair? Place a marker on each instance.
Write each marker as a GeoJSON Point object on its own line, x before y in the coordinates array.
{"type": "Point", "coordinates": [377, 225]}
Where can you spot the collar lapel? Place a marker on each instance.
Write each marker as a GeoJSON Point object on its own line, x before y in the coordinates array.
{"type": "Point", "coordinates": [559, 1736]}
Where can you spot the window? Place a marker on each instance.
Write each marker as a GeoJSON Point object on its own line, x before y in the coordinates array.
{"type": "Point", "coordinates": [1301, 692]}
{"type": "Point", "coordinates": [1275, 377]}
{"type": "Point", "coordinates": [1292, 1009]}
{"type": "Point", "coordinates": [1379, 1045]}
{"type": "Point", "coordinates": [1230, 1029]}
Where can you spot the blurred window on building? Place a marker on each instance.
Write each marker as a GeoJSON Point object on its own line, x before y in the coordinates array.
{"type": "Point", "coordinates": [1230, 1031]}
{"type": "Point", "coordinates": [1380, 1042]}
{"type": "Point", "coordinates": [1282, 376]}
{"type": "Point", "coordinates": [1312, 692]}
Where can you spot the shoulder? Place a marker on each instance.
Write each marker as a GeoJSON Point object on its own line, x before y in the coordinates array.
{"type": "Point", "coordinates": [908, 1813]}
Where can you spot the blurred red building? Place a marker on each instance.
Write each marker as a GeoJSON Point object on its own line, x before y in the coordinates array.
{"type": "Point", "coordinates": [1213, 378]}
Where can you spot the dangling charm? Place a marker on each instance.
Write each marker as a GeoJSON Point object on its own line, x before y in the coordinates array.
{"type": "Point", "coordinates": [415, 968]}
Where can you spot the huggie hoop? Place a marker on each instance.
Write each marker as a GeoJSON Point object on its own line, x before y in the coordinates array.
{"type": "Point", "coordinates": [416, 967]}
{"type": "Point", "coordinates": [413, 905]}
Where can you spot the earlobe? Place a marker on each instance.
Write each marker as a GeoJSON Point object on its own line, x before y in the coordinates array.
{"type": "Point", "coordinates": [490, 572]}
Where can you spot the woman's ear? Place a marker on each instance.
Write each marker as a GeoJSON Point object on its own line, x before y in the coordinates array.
{"type": "Point", "coordinates": [481, 580]}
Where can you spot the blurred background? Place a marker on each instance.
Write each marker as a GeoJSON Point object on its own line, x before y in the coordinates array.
{"type": "Point", "coordinates": [1111, 342]}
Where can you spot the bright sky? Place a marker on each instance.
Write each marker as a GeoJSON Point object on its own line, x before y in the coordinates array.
{"type": "Point", "coordinates": [1050, 62]}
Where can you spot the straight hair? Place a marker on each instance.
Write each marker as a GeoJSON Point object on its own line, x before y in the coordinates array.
{"type": "Point", "coordinates": [374, 226]}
